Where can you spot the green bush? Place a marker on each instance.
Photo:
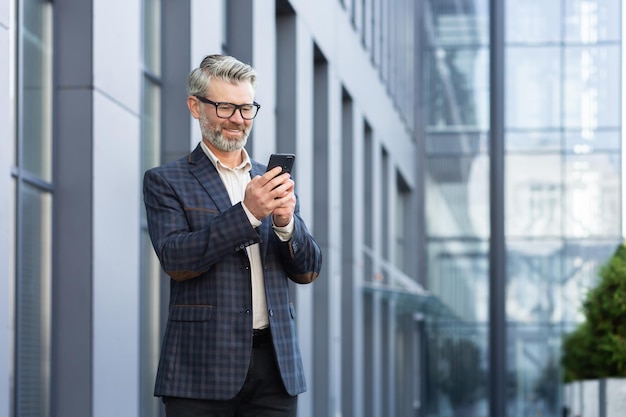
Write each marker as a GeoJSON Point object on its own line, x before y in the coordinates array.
{"type": "Point", "coordinates": [597, 348]}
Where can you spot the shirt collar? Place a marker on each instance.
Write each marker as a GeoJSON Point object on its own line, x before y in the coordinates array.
{"type": "Point", "coordinates": [245, 165]}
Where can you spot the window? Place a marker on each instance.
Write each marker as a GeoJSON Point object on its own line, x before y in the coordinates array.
{"type": "Point", "coordinates": [33, 199]}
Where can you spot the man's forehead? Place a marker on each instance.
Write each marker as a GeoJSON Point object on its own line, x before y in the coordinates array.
{"type": "Point", "coordinates": [241, 89]}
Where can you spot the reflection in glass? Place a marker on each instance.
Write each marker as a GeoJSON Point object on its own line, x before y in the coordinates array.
{"type": "Point", "coordinates": [456, 143]}
{"type": "Point", "coordinates": [589, 141]}
{"type": "Point", "coordinates": [532, 21]}
{"type": "Point", "coordinates": [533, 90]}
{"type": "Point", "coordinates": [456, 349]}
{"type": "Point", "coordinates": [582, 260]}
{"type": "Point", "coordinates": [456, 369]}
{"type": "Point", "coordinates": [534, 273]}
{"type": "Point", "coordinates": [33, 211]}
{"type": "Point", "coordinates": [33, 304]}
{"type": "Point", "coordinates": [36, 89]}
{"type": "Point", "coordinates": [456, 22]}
{"type": "Point", "coordinates": [458, 273]}
{"type": "Point", "coordinates": [533, 195]}
{"type": "Point", "coordinates": [562, 181]}
{"type": "Point", "coordinates": [533, 358]}
{"type": "Point", "coordinates": [533, 140]}
{"type": "Point", "coordinates": [591, 99]}
{"type": "Point", "coordinates": [546, 282]}
{"type": "Point", "coordinates": [592, 21]}
{"type": "Point", "coordinates": [457, 196]}
{"type": "Point", "coordinates": [458, 93]}
{"type": "Point", "coordinates": [593, 195]}
{"type": "Point", "coordinates": [152, 36]}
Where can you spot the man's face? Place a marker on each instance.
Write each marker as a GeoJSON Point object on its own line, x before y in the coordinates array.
{"type": "Point", "coordinates": [226, 135]}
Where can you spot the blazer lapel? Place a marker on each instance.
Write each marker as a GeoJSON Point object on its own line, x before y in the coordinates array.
{"type": "Point", "coordinates": [206, 174]}
{"type": "Point", "coordinates": [208, 177]}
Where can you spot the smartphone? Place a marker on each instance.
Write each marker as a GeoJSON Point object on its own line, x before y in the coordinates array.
{"type": "Point", "coordinates": [284, 160]}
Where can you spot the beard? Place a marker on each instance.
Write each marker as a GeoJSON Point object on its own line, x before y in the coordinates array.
{"type": "Point", "coordinates": [214, 135]}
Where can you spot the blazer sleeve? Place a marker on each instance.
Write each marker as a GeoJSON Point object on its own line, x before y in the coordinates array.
{"type": "Point", "coordinates": [188, 239]}
{"type": "Point", "coordinates": [301, 256]}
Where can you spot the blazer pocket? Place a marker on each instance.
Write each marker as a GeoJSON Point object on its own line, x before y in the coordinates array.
{"type": "Point", "coordinates": [191, 312]}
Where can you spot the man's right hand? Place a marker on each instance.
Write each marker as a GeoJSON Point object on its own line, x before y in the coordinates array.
{"type": "Point", "coordinates": [266, 192]}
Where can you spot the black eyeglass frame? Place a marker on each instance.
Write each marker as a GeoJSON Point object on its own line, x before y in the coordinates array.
{"type": "Point", "coordinates": [235, 107]}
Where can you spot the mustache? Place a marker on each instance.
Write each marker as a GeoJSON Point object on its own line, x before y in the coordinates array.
{"type": "Point", "coordinates": [235, 127]}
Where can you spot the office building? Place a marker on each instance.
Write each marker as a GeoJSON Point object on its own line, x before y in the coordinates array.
{"type": "Point", "coordinates": [459, 161]}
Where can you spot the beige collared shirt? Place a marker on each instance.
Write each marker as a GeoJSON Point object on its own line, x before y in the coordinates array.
{"type": "Point", "coordinates": [235, 181]}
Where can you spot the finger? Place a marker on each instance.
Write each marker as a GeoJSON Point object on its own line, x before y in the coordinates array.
{"type": "Point", "coordinates": [281, 183]}
{"type": "Point", "coordinates": [272, 173]}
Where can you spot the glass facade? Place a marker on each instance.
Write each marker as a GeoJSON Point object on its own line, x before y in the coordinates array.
{"type": "Point", "coordinates": [562, 193]}
{"type": "Point", "coordinates": [456, 90]}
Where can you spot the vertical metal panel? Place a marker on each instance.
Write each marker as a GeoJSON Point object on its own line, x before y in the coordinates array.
{"type": "Point", "coordinates": [356, 377]}
{"type": "Point", "coordinates": [306, 169]}
{"type": "Point", "coordinates": [348, 298]}
{"type": "Point", "coordinates": [72, 351]}
{"type": "Point", "coordinates": [497, 253]}
{"type": "Point", "coordinates": [239, 29]}
{"type": "Point", "coordinates": [321, 210]}
{"type": "Point", "coordinates": [176, 129]}
{"type": "Point", "coordinates": [286, 88]}
{"type": "Point", "coordinates": [175, 67]}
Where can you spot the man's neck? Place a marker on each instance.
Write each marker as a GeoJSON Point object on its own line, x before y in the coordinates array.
{"type": "Point", "coordinates": [230, 159]}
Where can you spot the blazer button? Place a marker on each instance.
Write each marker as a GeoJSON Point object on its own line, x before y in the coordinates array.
{"type": "Point", "coordinates": [271, 313]}
{"type": "Point", "coordinates": [248, 311]}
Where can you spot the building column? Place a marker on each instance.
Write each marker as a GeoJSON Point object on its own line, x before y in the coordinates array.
{"type": "Point", "coordinates": [97, 202]}
{"type": "Point", "coordinates": [72, 242]}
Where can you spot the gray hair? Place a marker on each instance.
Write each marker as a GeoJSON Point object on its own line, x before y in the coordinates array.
{"type": "Point", "coordinates": [225, 68]}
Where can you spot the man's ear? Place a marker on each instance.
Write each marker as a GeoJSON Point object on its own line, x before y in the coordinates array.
{"type": "Point", "coordinates": [194, 106]}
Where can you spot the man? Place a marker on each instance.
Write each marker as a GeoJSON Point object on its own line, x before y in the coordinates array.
{"type": "Point", "coordinates": [230, 237]}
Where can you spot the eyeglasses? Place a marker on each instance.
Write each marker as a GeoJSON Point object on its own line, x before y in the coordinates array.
{"type": "Point", "coordinates": [226, 110]}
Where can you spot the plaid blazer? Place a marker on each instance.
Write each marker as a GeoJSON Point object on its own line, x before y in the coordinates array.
{"type": "Point", "coordinates": [200, 240]}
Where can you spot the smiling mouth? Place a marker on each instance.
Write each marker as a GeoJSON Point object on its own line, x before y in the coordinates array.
{"type": "Point", "coordinates": [233, 131]}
